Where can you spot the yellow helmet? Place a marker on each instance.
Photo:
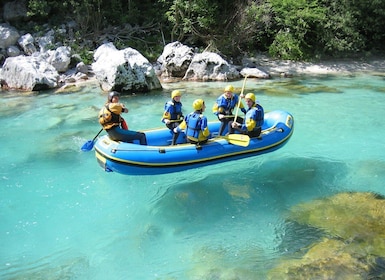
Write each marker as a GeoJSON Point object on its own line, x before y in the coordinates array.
{"type": "Point", "coordinates": [229, 88]}
{"type": "Point", "coordinates": [250, 96]}
{"type": "Point", "coordinates": [175, 93]}
{"type": "Point", "coordinates": [198, 104]}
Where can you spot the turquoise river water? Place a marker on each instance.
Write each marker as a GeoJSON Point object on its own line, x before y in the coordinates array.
{"type": "Point", "coordinates": [63, 217]}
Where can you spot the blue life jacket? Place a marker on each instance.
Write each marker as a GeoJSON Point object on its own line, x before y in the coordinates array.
{"type": "Point", "coordinates": [260, 115]}
{"type": "Point", "coordinates": [228, 104]}
{"type": "Point", "coordinates": [255, 113]}
{"type": "Point", "coordinates": [193, 124]}
{"type": "Point", "coordinates": [174, 108]}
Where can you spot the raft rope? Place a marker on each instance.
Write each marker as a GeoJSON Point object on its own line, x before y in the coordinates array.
{"type": "Point", "coordinates": [163, 150]}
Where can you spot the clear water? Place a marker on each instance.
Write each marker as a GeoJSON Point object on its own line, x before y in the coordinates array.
{"type": "Point", "coordinates": [63, 217]}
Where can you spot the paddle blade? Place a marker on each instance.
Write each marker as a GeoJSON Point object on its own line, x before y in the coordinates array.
{"type": "Point", "coordinates": [238, 139]}
{"type": "Point", "coordinates": [88, 146]}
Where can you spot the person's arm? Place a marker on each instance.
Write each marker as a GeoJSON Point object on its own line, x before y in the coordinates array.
{"type": "Point", "coordinates": [251, 121]}
{"type": "Point", "coordinates": [124, 109]}
{"type": "Point", "coordinates": [218, 108]}
{"type": "Point", "coordinates": [249, 124]}
{"type": "Point", "coordinates": [205, 128]}
{"type": "Point", "coordinates": [180, 127]}
{"type": "Point", "coordinates": [166, 117]}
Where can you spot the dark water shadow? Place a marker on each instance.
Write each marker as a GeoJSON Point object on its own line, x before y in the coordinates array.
{"type": "Point", "coordinates": [266, 187]}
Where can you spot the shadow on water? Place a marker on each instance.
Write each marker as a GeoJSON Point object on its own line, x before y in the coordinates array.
{"type": "Point", "coordinates": [194, 204]}
{"type": "Point", "coordinates": [249, 205]}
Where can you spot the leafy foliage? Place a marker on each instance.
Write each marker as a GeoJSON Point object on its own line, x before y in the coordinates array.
{"type": "Point", "coordinates": [287, 29]}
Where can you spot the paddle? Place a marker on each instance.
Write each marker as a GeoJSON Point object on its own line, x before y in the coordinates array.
{"type": "Point", "coordinates": [237, 139]}
{"type": "Point", "coordinates": [239, 101]}
{"type": "Point", "coordinates": [172, 121]}
{"type": "Point", "coordinates": [90, 143]}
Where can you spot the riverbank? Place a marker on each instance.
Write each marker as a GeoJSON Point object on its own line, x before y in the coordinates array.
{"type": "Point", "coordinates": [284, 68]}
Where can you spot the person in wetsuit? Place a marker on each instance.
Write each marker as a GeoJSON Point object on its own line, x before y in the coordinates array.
{"type": "Point", "coordinates": [252, 125]}
{"type": "Point", "coordinates": [172, 115]}
{"type": "Point", "coordinates": [224, 106]}
{"type": "Point", "coordinates": [195, 124]}
{"type": "Point", "coordinates": [110, 119]}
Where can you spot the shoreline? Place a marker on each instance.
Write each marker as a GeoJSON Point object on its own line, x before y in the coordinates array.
{"type": "Point", "coordinates": [281, 68]}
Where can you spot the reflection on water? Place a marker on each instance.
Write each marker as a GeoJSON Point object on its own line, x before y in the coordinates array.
{"type": "Point", "coordinates": [63, 217]}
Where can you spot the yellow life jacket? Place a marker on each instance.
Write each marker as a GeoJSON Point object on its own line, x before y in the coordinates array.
{"type": "Point", "coordinates": [109, 115]}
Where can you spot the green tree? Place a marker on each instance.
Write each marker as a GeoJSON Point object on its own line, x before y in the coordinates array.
{"type": "Point", "coordinates": [298, 25]}
{"type": "Point", "coordinates": [288, 29]}
{"type": "Point", "coordinates": [191, 19]}
{"type": "Point", "coordinates": [340, 33]}
{"type": "Point", "coordinates": [370, 16]}
{"type": "Point", "coordinates": [257, 26]}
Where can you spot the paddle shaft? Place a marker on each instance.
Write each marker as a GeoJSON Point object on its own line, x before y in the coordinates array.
{"type": "Point", "coordinates": [172, 121]}
{"type": "Point", "coordinates": [239, 101]}
{"type": "Point", "coordinates": [97, 135]}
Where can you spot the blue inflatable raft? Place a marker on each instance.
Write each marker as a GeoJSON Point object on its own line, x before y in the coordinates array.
{"type": "Point", "coordinates": [160, 157]}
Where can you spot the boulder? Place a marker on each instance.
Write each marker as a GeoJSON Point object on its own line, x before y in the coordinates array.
{"type": "Point", "coordinates": [60, 58]}
{"type": "Point", "coordinates": [8, 36]}
{"type": "Point", "coordinates": [175, 60]}
{"type": "Point", "coordinates": [29, 73]}
{"type": "Point", "coordinates": [209, 66]}
{"type": "Point", "coordinates": [254, 73]}
{"type": "Point", "coordinates": [47, 41]}
{"type": "Point", "coordinates": [123, 70]}
{"type": "Point", "coordinates": [13, 51]}
{"type": "Point", "coordinates": [81, 67]}
{"type": "Point", "coordinates": [26, 42]}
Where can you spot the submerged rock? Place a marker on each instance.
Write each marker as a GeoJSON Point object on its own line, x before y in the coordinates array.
{"type": "Point", "coordinates": [328, 259]}
{"type": "Point", "coordinates": [353, 246]}
{"type": "Point", "coordinates": [355, 217]}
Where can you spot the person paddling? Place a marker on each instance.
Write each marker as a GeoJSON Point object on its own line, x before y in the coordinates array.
{"type": "Point", "coordinates": [110, 120]}
{"type": "Point", "coordinates": [253, 120]}
{"type": "Point", "coordinates": [224, 106]}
